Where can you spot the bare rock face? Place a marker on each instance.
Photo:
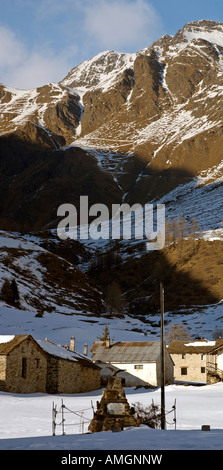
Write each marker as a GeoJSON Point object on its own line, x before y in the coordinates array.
{"type": "Point", "coordinates": [149, 103]}
{"type": "Point", "coordinates": [163, 98]}
{"type": "Point", "coordinates": [100, 105]}
{"type": "Point", "coordinates": [52, 110]}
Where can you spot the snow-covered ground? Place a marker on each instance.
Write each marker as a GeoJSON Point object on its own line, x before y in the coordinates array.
{"type": "Point", "coordinates": [58, 328]}
{"type": "Point", "coordinates": [26, 421]}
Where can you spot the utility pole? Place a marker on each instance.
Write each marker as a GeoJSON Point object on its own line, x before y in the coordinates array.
{"type": "Point", "coordinates": [162, 359]}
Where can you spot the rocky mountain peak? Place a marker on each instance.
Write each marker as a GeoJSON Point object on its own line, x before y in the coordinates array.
{"type": "Point", "coordinates": [153, 103]}
{"type": "Point", "coordinates": [209, 31]}
{"type": "Point", "coordinates": [99, 71]}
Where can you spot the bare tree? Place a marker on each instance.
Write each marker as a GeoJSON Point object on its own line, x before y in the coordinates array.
{"type": "Point", "coordinates": [113, 298]}
{"type": "Point", "coordinates": [177, 332]}
{"type": "Point", "coordinates": [194, 228]}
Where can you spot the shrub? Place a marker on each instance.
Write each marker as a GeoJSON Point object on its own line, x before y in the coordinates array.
{"type": "Point", "coordinates": [149, 415]}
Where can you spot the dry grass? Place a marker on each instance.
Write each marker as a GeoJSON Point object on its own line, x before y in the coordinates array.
{"type": "Point", "coordinates": [192, 273]}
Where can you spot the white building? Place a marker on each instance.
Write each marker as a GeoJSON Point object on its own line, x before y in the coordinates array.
{"type": "Point", "coordinates": [139, 362]}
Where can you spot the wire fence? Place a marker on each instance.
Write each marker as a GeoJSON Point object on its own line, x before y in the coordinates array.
{"type": "Point", "coordinates": [64, 417]}
{"type": "Point", "coordinates": [174, 413]}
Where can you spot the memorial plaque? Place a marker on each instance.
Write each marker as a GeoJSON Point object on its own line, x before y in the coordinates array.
{"type": "Point", "coordinates": [116, 408]}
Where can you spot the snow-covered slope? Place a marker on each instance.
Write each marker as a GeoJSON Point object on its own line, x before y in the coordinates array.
{"type": "Point", "coordinates": [49, 112]}
{"type": "Point", "coordinates": [100, 72]}
{"type": "Point", "coordinates": [46, 282]}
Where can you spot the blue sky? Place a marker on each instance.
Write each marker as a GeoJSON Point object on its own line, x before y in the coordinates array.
{"type": "Point", "coordinates": [40, 41]}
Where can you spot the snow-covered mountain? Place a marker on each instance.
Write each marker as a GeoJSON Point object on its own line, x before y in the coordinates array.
{"type": "Point", "coordinates": [158, 109]}
{"type": "Point", "coordinates": [141, 128]}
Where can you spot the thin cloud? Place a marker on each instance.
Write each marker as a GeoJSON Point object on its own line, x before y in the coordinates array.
{"type": "Point", "coordinates": [12, 51]}
{"type": "Point", "coordinates": [24, 68]}
{"type": "Point", "coordinates": [66, 33]}
{"type": "Point", "coordinates": [121, 24]}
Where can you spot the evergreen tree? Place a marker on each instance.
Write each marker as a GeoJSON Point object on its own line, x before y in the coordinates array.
{"type": "Point", "coordinates": [104, 334]}
{"type": "Point", "coordinates": [10, 293]}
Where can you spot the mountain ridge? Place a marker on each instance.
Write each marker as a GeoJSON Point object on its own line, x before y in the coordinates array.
{"type": "Point", "coordinates": [140, 128]}
{"type": "Point", "coordinates": [139, 116]}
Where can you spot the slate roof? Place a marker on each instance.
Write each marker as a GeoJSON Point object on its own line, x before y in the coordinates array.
{"type": "Point", "coordinates": [8, 343]}
{"type": "Point", "coordinates": [126, 352]}
{"type": "Point", "coordinates": [61, 352]}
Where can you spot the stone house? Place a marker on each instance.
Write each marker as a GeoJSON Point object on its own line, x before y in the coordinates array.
{"type": "Point", "coordinates": [30, 366]}
{"type": "Point", "coordinates": [68, 371]}
{"type": "Point", "coordinates": [139, 362]}
{"type": "Point", "coordinates": [23, 365]}
{"type": "Point", "coordinates": [215, 363]}
{"type": "Point", "coordinates": [197, 361]}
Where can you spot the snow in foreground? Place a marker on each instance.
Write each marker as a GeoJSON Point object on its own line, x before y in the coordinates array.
{"type": "Point", "coordinates": [26, 421]}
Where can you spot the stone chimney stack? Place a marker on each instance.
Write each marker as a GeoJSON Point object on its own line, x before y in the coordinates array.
{"type": "Point", "coordinates": [85, 349]}
{"type": "Point", "coordinates": [72, 344]}
{"type": "Point", "coordinates": [107, 342]}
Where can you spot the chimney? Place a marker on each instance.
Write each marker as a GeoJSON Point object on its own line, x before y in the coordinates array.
{"type": "Point", "coordinates": [85, 349]}
{"type": "Point", "coordinates": [72, 344]}
{"type": "Point", "coordinates": [107, 342]}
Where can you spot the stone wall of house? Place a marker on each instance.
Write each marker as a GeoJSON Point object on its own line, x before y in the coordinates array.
{"type": "Point", "coordinates": [91, 379]}
{"type": "Point", "coordinates": [26, 369]}
{"type": "Point", "coordinates": [191, 368]}
{"type": "Point", "coordinates": [52, 375]}
{"type": "Point", "coordinates": [212, 379]}
{"type": "Point", "coordinates": [70, 377]}
{"type": "Point", "coordinates": [2, 373]}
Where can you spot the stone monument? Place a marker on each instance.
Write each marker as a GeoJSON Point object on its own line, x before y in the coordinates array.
{"type": "Point", "coordinates": [113, 411]}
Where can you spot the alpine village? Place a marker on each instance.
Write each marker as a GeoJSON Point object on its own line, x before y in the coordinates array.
{"type": "Point", "coordinates": [112, 319]}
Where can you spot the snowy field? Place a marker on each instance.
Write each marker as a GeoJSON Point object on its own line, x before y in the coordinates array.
{"type": "Point", "coordinates": [26, 421]}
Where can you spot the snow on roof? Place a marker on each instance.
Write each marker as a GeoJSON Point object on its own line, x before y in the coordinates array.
{"type": "Point", "coordinates": [6, 338]}
{"type": "Point", "coordinates": [64, 353]}
{"type": "Point", "coordinates": [59, 351]}
{"type": "Point", "coordinates": [194, 347]}
{"type": "Point", "coordinates": [201, 343]}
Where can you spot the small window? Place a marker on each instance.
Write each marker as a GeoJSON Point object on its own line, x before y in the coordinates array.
{"type": "Point", "coordinates": [24, 367]}
{"type": "Point", "coordinates": [138, 366]}
{"type": "Point", "coordinates": [202, 370]}
{"type": "Point", "coordinates": [37, 361]}
{"type": "Point", "coordinates": [202, 357]}
{"type": "Point", "coordinates": [184, 356]}
{"type": "Point", "coordinates": [183, 370]}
